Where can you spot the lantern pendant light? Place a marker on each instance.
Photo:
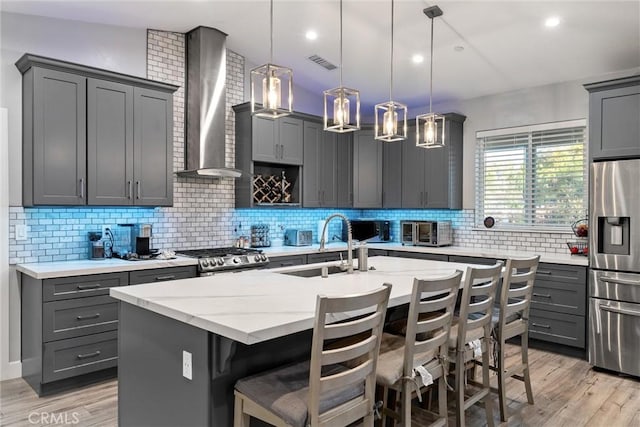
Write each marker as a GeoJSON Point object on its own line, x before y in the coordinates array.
{"type": "Point", "coordinates": [341, 105]}
{"type": "Point", "coordinates": [269, 81]}
{"type": "Point", "coordinates": [430, 127]}
{"type": "Point", "coordinates": [391, 117]}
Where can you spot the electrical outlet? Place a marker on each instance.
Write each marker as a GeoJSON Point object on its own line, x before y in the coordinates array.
{"type": "Point", "coordinates": [21, 231]}
{"type": "Point", "coordinates": [104, 230]}
{"type": "Point", "coordinates": [187, 365]}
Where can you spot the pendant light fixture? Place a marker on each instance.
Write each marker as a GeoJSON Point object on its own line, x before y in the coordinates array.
{"type": "Point", "coordinates": [430, 127]}
{"type": "Point", "coordinates": [272, 79]}
{"type": "Point", "coordinates": [341, 105]}
{"type": "Point", "coordinates": [391, 117]}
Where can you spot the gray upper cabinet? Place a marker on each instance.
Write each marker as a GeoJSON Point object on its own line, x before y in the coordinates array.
{"type": "Point", "coordinates": [367, 170]}
{"type": "Point", "coordinates": [432, 178]}
{"type": "Point", "coordinates": [614, 118]}
{"type": "Point", "coordinates": [392, 174]}
{"type": "Point", "coordinates": [94, 137]}
{"type": "Point", "coordinates": [109, 143]}
{"type": "Point", "coordinates": [344, 170]}
{"type": "Point", "coordinates": [54, 133]}
{"type": "Point", "coordinates": [319, 171]}
{"type": "Point", "coordinates": [277, 141]}
{"type": "Point", "coordinates": [153, 147]}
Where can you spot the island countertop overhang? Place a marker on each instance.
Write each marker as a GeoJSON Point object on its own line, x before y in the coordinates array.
{"type": "Point", "coordinates": [258, 305]}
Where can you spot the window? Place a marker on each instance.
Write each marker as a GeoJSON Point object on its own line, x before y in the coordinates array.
{"type": "Point", "coordinates": [532, 176]}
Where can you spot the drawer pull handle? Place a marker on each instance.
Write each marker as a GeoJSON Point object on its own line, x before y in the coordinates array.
{"type": "Point", "coordinates": [287, 264]}
{"type": "Point", "coordinates": [93, 316]}
{"type": "Point", "coordinates": [620, 310]}
{"type": "Point", "coordinates": [85, 287]}
{"type": "Point", "coordinates": [545, 272]}
{"type": "Point", "coordinates": [541, 295]}
{"type": "Point", "coordinates": [541, 326]}
{"type": "Point", "coordinates": [86, 356]}
{"type": "Point", "coordinates": [162, 278]}
{"type": "Point", "coordinates": [608, 279]}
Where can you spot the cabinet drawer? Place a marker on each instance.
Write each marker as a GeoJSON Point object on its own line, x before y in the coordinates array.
{"type": "Point", "coordinates": [162, 274]}
{"type": "Point", "coordinates": [77, 356]}
{"type": "Point", "coordinates": [419, 255]}
{"type": "Point", "coordinates": [557, 327]}
{"type": "Point", "coordinates": [78, 317]}
{"type": "Point", "coordinates": [560, 297]}
{"type": "Point", "coordinates": [287, 261]}
{"type": "Point", "coordinates": [377, 252]}
{"type": "Point", "coordinates": [562, 273]}
{"type": "Point", "coordinates": [472, 260]}
{"type": "Point", "coordinates": [81, 286]}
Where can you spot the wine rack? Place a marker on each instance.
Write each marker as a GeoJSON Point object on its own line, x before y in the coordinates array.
{"type": "Point", "coordinates": [271, 189]}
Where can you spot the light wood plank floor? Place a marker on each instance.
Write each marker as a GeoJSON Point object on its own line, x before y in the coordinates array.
{"type": "Point", "coordinates": [567, 392]}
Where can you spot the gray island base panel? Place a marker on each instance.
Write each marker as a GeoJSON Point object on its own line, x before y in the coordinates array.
{"type": "Point", "coordinates": [234, 325]}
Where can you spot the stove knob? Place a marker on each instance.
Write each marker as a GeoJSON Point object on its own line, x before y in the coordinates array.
{"type": "Point", "coordinates": [219, 261]}
{"type": "Point", "coordinates": [257, 258]}
{"type": "Point", "coordinates": [204, 262]}
{"type": "Point", "coordinates": [264, 257]}
{"type": "Point", "coordinates": [235, 260]}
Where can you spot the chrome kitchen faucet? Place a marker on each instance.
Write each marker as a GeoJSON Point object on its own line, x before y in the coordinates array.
{"type": "Point", "coordinates": [349, 239]}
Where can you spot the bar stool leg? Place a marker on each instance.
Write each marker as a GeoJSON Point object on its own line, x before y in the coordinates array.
{"type": "Point", "coordinates": [524, 345]}
{"type": "Point", "coordinates": [459, 393]}
{"type": "Point", "coordinates": [442, 399]}
{"type": "Point", "coordinates": [488, 404]}
{"type": "Point", "coordinates": [502, 392]}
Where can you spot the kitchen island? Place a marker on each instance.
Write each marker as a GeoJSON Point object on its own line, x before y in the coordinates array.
{"type": "Point", "coordinates": [231, 325]}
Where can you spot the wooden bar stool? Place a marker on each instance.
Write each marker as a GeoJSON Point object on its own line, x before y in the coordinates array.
{"type": "Point", "coordinates": [323, 391]}
{"type": "Point", "coordinates": [470, 337]}
{"type": "Point", "coordinates": [515, 300]}
{"type": "Point", "coordinates": [424, 347]}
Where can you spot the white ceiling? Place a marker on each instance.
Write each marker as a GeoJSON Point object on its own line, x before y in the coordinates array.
{"type": "Point", "coordinates": [506, 45]}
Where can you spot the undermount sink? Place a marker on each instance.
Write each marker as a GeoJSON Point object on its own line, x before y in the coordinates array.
{"type": "Point", "coordinates": [315, 271]}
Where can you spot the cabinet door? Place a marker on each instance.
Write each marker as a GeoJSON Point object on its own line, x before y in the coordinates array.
{"type": "Point", "coordinates": [413, 163]}
{"type": "Point", "coordinates": [264, 137]}
{"type": "Point", "coordinates": [344, 170]}
{"type": "Point", "coordinates": [153, 147]}
{"type": "Point", "coordinates": [109, 143]}
{"type": "Point", "coordinates": [290, 140]}
{"type": "Point", "coordinates": [392, 174]}
{"type": "Point", "coordinates": [311, 171]}
{"type": "Point", "coordinates": [367, 170]}
{"type": "Point", "coordinates": [328, 171]}
{"type": "Point", "coordinates": [614, 125]}
{"type": "Point", "coordinates": [436, 178]}
{"type": "Point", "coordinates": [59, 138]}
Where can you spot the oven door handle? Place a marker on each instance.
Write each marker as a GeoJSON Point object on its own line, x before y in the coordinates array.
{"type": "Point", "coordinates": [608, 279]}
{"type": "Point", "coordinates": [620, 310]}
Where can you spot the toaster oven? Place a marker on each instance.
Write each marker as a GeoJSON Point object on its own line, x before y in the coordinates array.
{"type": "Point", "coordinates": [426, 233]}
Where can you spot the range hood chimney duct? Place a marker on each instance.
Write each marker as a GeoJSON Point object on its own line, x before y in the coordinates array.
{"type": "Point", "coordinates": [205, 92]}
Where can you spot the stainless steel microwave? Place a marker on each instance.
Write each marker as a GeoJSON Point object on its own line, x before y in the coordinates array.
{"type": "Point", "coordinates": [426, 233]}
{"type": "Point", "coordinates": [370, 230]}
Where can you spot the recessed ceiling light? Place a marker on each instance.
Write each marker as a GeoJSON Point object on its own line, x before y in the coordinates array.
{"type": "Point", "coordinates": [552, 21]}
{"type": "Point", "coordinates": [417, 58]}
{"type": "Point", "coordinates": [311, 35]}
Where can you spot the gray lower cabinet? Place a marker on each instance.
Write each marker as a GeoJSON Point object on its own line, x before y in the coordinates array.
{"type": "Point", "coordinates": [54, 137]}
{"type": "Point", "coordinates": [94, 137]}
{"type": "Point", "coordinates": [614, 127]}
{"type": "Point", "coordinates": [419, 255]}
{"type": "Point", "coordinates": [70, 326]}
{"type": "Point", "coordinates": [558, 305]}
{"type": "Point", "coordinates": [367, 170]}
{"type": "Point", "coordinates": [327, 257]}
{"type": "Point", "coordinates": [319, 172]}
{"type": "Point", "coordinates": [472, 260]}
{"type": "Point", "coordinates": [432, 178]}
{"type": "Point", "coordinates": [287, 261]}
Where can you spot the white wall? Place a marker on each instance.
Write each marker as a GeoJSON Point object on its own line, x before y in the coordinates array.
{"type": "Point", "coordinates": [105, 46]}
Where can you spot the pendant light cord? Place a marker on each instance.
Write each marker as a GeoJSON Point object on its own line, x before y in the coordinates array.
{"type": "Point", "coordinates": [391, 78]}
{"type": "Point", "coordinates": [271, 31]}
{"type": "Point", "coordinates": [431, 70]}
{"type": "Point", "coordinates": [340, 43]}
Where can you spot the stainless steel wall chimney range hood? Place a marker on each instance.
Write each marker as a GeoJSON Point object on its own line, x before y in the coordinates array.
{"type": "Point", "coordinates": [205, 93]}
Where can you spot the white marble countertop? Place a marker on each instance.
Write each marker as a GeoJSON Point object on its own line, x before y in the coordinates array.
{"type": "Point", "coordinates": [49, 270]}
{"type": "Point", "coordinates": [567, 258]}
{"type": "Point", "coordinates": [258, 305]}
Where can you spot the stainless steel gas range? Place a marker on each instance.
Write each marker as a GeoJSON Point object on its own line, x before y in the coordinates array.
{"type": "Point", "coordinates": [215, 260]}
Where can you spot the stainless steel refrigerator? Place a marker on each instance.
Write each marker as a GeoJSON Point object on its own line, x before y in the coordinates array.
{"type": "Point", "coordinates": [614, 278]}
